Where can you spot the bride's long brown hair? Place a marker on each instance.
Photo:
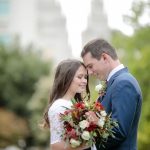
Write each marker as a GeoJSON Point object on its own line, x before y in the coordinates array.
{"type": "Point", "coordinates": [64, 75]}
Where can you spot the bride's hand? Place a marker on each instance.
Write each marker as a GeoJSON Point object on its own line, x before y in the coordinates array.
{"type": "Point", "coordinates": [83, 146]}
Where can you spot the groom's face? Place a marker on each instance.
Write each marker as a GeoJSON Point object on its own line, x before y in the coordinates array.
{"type": "Point", "coordinates": [95, 67]}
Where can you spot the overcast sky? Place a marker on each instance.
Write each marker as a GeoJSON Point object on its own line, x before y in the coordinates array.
{"type": "Point", "coordinates": [76, 12]}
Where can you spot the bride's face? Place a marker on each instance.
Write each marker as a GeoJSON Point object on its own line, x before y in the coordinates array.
{"type": "Point", "coordinates": [79, 81]}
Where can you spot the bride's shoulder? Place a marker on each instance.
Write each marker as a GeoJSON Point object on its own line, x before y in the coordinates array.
{"type": "Point", "coordinates": [60, 102]}
{"type": "Point", "coordinates": [59, 105]}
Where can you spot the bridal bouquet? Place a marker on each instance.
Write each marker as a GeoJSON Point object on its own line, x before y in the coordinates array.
{"type": "Point", "coordinates": [77, 130]}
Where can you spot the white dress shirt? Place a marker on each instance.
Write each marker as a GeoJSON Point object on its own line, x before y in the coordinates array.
{"type": "Point", "coordinates": [121, 66]}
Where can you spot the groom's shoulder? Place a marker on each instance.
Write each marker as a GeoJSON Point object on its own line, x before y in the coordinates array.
{"type": "Point", "coordinates": [125, 77]}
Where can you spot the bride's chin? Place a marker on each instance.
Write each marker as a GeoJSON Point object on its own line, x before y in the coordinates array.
{"type": "Point", "coordinates": [81, 91]}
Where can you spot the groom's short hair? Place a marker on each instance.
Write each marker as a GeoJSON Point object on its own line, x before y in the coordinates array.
{"type": "Point", "coordinates": [98, 46]}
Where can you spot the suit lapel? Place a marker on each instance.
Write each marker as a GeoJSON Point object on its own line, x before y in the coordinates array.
{"type": "Point", "coordinates": [110, 82]}
{"type": "Point", "coordinates": [115, 75]}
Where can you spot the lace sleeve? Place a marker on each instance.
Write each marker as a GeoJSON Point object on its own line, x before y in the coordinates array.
{"type": "Point", "coordinates": [55, 125]}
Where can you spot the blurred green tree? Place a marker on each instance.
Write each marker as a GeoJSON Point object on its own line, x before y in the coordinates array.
{"type": "Point", "coordinates": [38, 104]}
{"type": "Point", "coordinates": [19, 72]}
{"type": "Point", "coordinates": [135, 51]}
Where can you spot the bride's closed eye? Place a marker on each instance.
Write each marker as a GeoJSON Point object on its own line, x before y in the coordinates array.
{"type": "Point", "coordinates": [82, 76]}
{"type": "Point", "coordinates": [90, 66]}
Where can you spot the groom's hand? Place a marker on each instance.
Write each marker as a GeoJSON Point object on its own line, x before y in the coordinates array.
{"type": "Point", "coordinates": [91, 116]}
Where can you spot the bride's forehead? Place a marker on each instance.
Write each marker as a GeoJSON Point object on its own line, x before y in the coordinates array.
{"type": "Point", "coordinates": [81, 70]}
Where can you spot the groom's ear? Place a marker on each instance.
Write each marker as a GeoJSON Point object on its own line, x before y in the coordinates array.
{"type": "Point", "coordinates": [104, 56]}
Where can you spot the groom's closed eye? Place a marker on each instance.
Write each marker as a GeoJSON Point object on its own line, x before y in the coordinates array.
{"type": "Point", "coordinates": [89, 66]}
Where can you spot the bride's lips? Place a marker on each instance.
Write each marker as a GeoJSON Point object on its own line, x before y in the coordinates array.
{"type": "Point", "coordinates": [83, 86]}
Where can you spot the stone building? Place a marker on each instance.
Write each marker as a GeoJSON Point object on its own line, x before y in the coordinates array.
{"type": "Point", "coordinates": [37, 22]}
{"type": "Point", "coordinates": [97, 26]}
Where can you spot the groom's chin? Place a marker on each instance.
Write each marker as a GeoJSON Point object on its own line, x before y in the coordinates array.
{"type": "Point", "coordinates": [98, 77]}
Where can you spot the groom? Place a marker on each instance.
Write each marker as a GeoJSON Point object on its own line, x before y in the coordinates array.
{"type": "Point", "coordinates": [123, 96]}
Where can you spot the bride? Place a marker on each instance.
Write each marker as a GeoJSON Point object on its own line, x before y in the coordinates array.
{"type": "Point", "coordinates": [70, 81]}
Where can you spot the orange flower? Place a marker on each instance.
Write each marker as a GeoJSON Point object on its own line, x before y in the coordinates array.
{"type": "Point", "coordinates": [98, 106]}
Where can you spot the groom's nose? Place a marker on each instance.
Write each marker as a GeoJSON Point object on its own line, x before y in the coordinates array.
{"type": "Point", "coordinates": [90, 72]}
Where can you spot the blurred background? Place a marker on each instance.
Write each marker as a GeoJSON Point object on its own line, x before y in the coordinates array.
{"type": "Point", "coordinates": [37, 34]}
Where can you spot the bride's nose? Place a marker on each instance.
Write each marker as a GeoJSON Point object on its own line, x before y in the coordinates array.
{"type": "Point", "coordinates": [84, 80]}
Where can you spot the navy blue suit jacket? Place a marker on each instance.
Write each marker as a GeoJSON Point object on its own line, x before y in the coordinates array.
{"type": "Point", "coordinates": [123, 99]}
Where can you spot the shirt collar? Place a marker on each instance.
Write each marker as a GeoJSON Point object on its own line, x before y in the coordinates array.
{"type": "Point", "coordinates": [121, 66]}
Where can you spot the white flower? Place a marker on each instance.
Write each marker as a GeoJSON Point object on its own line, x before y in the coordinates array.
{"type": "Point", "coordinates": [98, 87]}
{"type": "Point", "coordinates": [101, 122]}
{"type": "Point", "coordinates": [103, 113]}
{"type": "Point", "coordinates": [74, 143]}
{"type": "Point", "coordinates": [85, 135]}
{"type": "Point", "coordinates": [83, 124]}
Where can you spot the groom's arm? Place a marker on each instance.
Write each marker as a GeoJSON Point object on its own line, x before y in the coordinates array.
{"type": "Point", "coordinates": [124, 104]}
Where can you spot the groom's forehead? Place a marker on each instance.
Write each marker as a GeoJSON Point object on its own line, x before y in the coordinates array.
{"type": "Point", "coordinates": [88, 63]}
{"type": "Point", "coordinates": [87, 58]}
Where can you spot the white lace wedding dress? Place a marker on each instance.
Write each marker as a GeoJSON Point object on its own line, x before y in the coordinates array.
{"type": "Point", "coordinates": [56, 127]}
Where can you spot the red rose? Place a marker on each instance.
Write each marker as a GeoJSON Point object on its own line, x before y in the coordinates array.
{"type": "Point", "coordinates": [72, 134]}
{"type": "Point", "coordinates": [68, 127]}
{"type": "Point", "coordinates": [92, 127]}
{"type": "Point", "coordinates": [80, 105]}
